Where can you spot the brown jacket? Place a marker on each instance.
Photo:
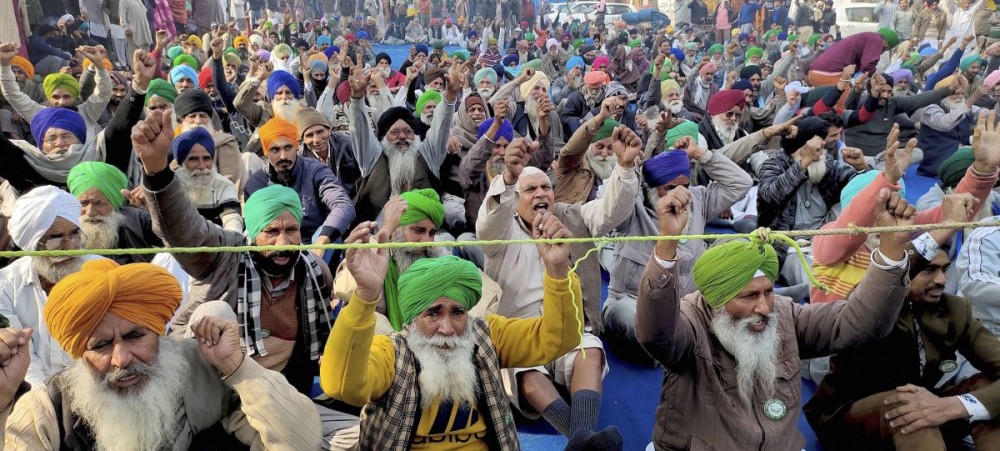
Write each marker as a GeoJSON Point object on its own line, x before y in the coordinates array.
{"type": "Point", "coordinates": [700, 407]}
{"type": "Point", "coordinates": [928, 17]}
{"type": "Point", "coordinates": [574, 177]}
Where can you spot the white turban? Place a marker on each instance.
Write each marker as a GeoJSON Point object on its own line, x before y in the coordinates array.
{"type": "Point", "coordinates": [526, 172]}
{"type": "Point", "coordinates": [257, 39]}
{"type": "Point", "coordinates": [35, 212]}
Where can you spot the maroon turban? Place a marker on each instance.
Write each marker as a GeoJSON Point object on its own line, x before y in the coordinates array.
{"type": "Point", "coordinates": [725, 100]}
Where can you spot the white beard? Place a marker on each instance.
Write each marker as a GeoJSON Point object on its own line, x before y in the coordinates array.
{"type": "Point", "coordinates": [531, 110]}
{"type": "Point", "coordinates": [817, 171]}
{"type": "Point", "coordinates": [496, 167]}
{"type": "Point", "coordinates": [486, 93]}
{"type": "Point", "coordinates": [137, 418]}
{"type": "Point", "coordinates": [402, 164]}
{"type": "Point", "coordinates": [951, 105]}
{"type": "Point", "coordinates": [198, 185]}
{"type": "Point", "coordinates": [755, 353]}
{"type": "Point", "coordinates": [386, 72]}
{"type": "Point", "coordinates": [54, 269]}
{"type": "Point", "coordinates": [728, 135]}
{"type": "Point", "coordinates": [602, 166]}
{"type": "Point", "coordinates": [446, 374]}
{"type": "Point", "coordinates": [101, 232]}
{"type": "Point", "coordinates": [426, 118]}
{"type": "Point", "coordinates": [286, 109]}
{"type": "Point", "coordinates": [376, 101]}
{"type": "Point", "coordinates": [675, 106]}
{"type": "Point", "coordinates": [406, 256]}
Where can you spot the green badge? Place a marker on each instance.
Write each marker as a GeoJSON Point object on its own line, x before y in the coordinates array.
{"type": "Point", "coordinates": [264, 333]}
{"type": "Point", "coordinates": [775, 409]}
{"type": "Point", "coordinates": [947, 366]}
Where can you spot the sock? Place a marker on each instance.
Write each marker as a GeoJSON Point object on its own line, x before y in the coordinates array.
{"type": "Point", "coordinates": [558, 415]}
{"type": "Point", "coordinates": [607, 439]}
{"type": "Point", "coordinates": [585, 408]}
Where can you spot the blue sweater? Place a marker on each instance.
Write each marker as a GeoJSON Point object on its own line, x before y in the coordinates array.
{"type": "Point", "coordinates": [39, 48]}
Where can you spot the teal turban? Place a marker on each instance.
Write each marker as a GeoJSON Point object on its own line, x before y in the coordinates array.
{"type": "Point", "coordinates": [724, 271]}
{"type": "Point", "coordinates": [858, 183]}
{"type": "Point", "coordinates": [486, 72]}
{"type": "Point", "coordinates": [686, 128]}
{"type": "Point", "coordinates": [952, 169]}
{"type": "Point", "coordinates": [605, 131]}
{"type": "Point", "coordinates": [422, 204]}
{"type": "Point", "coordinates": [172, 52]}
{"type": "Point", "coordinates": [109, 180]}
{"type": "Point", "coordinates": [266, 204]}
{"type": "Point", "coordinates": [427, 96]}
{"type": "Point", "coordinates": [429, 279]}
{"type": "Point", "coordinates": [968, 61]}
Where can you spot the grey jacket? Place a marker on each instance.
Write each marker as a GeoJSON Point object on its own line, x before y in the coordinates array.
{"type": "Point", "coordinates": [870, 136]}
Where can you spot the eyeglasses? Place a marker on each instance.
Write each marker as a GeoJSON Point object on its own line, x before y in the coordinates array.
{"type": "Point", "coordinates": [57, 242]}
{"type": "Point", "coordinates": [395, 133]}
{"type": "Point", "coordinates": [731, 114]}
{"type": "Point", "coordinates": [64, 137]}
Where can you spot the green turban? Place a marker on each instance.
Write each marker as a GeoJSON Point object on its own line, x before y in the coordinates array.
{"type": "Point", "coordinates": [427, 96]}
{"type": "Point", "coordinates": [60, 80]}
{"type": "Point", "coordinates": [890, 37]}
{"type": "Point", "coordinates": [691, 45]}
{"type": "Point", "coordinates": [968, 61]}
{"type": "Point", "coordinates": [429, 279]}
{"type": "Point", "coordinates": [109, 180]}
{"type": "Point", "coordinates": [686, 128]}
{"type": "Point", "coordinates": [792, 38]}
{"type": "Point", "coordinates": [172, 52]}
{"type": "Point", "coordinates": [266, 204]}
{"type": "Point", "coordinates": [461, 55]}
{"type": "Point", "coordinates": [716, 48]}
{"type": "Point", "coordinates": [755, 52]}
{"type": "Point", "coordinates": [910, 67]}
{"type": "Point", "coordinates": [162, 89]}
{"type": "Point", "coordinates": [954, 167]}
{"type": "Point", "coordinates": [577, 43]}
{"type": "Point", "coordinates": [635, 43]}
{"type": "Point", "coordinates": [813, 39]}
{"type": "Point", "coordinates": [422, 204]}
{"type": "Point", "coordinates": [282, 50]}
{"type": "Point", "coordinates": [187, 60]}
{"type": "Point", "coordinates": [724, 271]}
{"type": "Point", "coordinates": [605, 131]}
{"type": "Point", "coordinates": [914, 58]}
{"type": "Point", "coordinates": [535, 64]}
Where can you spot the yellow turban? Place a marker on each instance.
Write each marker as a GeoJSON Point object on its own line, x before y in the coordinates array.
{"type": "Point", "coordinates": [945, 82]}
{"type": "Point", "coordinates": [22, 63]}
{"type": "Point", "coordinates": [194, 39]}
{"type": "Point", "coordinates": [277, 128]}
{"type": "Point", "coordinates": [667, 85]}
{"type": "Point", "coordinates": [60, 80]}
{"type": "Point", "coordinates": [529, 85]}
{"type": "Point", "coordinates": [241, 39]}
{"type": "Point", "coordinates": [142, 293]}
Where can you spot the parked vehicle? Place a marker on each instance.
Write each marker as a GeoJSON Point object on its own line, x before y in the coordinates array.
{"type": "Point", "coordinates": [586, 11]}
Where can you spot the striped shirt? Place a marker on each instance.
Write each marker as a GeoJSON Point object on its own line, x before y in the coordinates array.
{"type": "Point", "coordinates": [886, 11]}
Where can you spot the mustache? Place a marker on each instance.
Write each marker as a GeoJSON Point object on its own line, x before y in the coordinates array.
{"type": "Point", "coordinates": [284, 162]}
{"type": "Point", "coordinates": [278, 254]}
{"type": "Point", "coordinates": [135, 369]}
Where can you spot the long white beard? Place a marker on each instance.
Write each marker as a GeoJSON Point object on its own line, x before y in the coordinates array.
{"type": "Point", "coordinates": [197, 184]}
{"type": "Point", "coordinates": [675, 106]}
{"type": "Point", "coordinates": [402, 164]}
{"type": "Point", "coordinates": [376, 101]}
{"type": "Point", "coordinates": [950, 105]}
{"type": "Point", "coordinates": [54, 269]}
{"type": "Point", "coordinates": [602, 166]}
{"type": "Point", "coordinates": [531, 110]}
{"type": "Point", "coordinates": [447, 368]}
{"type": "Point", "coordinates": [486, 93]}
{"type": "Point", "coordinates": [816, 171]}
{"type": "Point", "coordinates": [726, 134]}
{"type": "Point", "coordinates": [101, 232]}
{"type": "Point", "coordinates": [427, 117]}
{"type": "Point", "coordinates": [137, 418]}
{"type": "Point", "coordinates": [755, 353]}
{"type": "Point", "coordinates": [286, 109]}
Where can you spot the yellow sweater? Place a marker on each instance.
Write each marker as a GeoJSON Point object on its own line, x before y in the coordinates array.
{"type": "Point", "coordinates": [358, 366]}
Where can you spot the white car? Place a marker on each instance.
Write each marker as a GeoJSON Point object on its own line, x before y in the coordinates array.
{"type": "Point", "coordinates": [855, 18]}
{"type": "Point", "coordinates": [587, 11]}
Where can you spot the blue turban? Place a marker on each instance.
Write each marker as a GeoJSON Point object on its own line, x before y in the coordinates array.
{"type": "Point", "coordinates": [575, 61]}
{"type": "Point", "coordinates": [665, 167]}
{"type": "Point", "coordinates": [678, 53]}
{"type": "Point", "coordinates": [744, 37]}
{"type": "Point", "coordinates": [420, 48]}
{"type": "Point", "coordinates": [323, 40]}
{"type": "Point", "coordinates": [927, 51]}
{"type": "Point", "coordinates": [588, 41]}
{"type": "Point", "coordinates": [506, 130]}
{"type": "Point", "coordinates": [471, 34]}
{"type": "Point", "coordinates": [511, 59]}
{"type": "Point", "coordinates": [61, 118]}
{"type": "Point", "coordinates": [858, 183]}
{"type": "Point", "coordinates": [183, 71]}
{"type": "Point", "coordinates": [362, 35]}
{"type": "Point", "coordinates": [319, 66]}
{"type": "Point", "coordinates": [782, 36]}
{"type": "Point", "coordinates": [330, 50]}
{"type": "Point", "coordinates": [498, 68]}
{"type": "Point", "coordinates": [281, 78]}
{"type": "Point", "coordinates": [182, 144]}
{"type": "Point", "coordinates": [486, 72]}
{"type": "Point", "coordinates": [743, 84]}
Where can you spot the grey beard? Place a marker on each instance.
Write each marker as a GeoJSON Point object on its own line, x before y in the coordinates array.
{"type": "Point", "coordinates": [447, 369]}
{"type": "Point", "coordinates": [496, 167]}
{"type": "Point", "coordinates": [406, 256]}
{"type": "Point", "coordinates": [486, 93]}
{"type": "Point", "coordinates": [951, 105]}
{"type": "Point", "coordinates": [101, 233]}
{"type": "Point", "coordinates": [55, 269]}
{"type": "Point", "coordinates": [402, 164]}
{"type": "Point", "coordinates": [140, 417]}
{"type": "Point", "coordinates": [197, 184]}
{"type": "Point", "coordinates": [726, 134]}
{"type": "Point", "coordinates": [531, 110]}
{"type": "Point", "coordinates": [591, 99]}
{"type": "Point", "coordinates": [675, 107]}
{"type": "Point", "coordinates": [755, 353]}
{"type": "Point", "coordinates": [602, 166]}
{"type": "Point", "coordinates": [286, 109]}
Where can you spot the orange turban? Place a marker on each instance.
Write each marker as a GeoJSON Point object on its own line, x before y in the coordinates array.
{"type": "Point", "coordinates": [87, 63]}
{"type": "Point", "coordinates": [277, 128]}
{"type": "Point", "coordinates": [22, 63]}
{"type": "Point", "coordinates": [241, 39]}
{"type": "Point", "coordinates": [142, 293]}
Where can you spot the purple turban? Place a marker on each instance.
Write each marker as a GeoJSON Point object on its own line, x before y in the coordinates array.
{"type": "Point", "coordinates": [506, 130]}
{"type": "Point", "coordinates": [665, 167]}
{"type": "Point", "coordinates": [183, 143]}
{"type": "Point", "coordinates": [61, 118]}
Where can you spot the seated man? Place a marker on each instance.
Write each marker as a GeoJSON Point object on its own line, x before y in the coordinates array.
{"type": "Point", "coordinates": [459, 358]}
{"type": "Point", "coordinates": [106, 222]}
{"type": "Point", "coordinates": [130, 387]}
{"type": "Point", "coordinates": [979, 274]}
{"type": "Point", "coordinates": [45, 218]}
{"type": "Point", "coordinates": [731, 351]}
{"type": "Point", "coordinates": [213, 195]}
{"type": "Point", "coordinates": [887, 393]}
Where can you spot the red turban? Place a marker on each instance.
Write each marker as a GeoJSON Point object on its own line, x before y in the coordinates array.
{"type": "Point", "coordinates": [725, 100]}
{"type": "Point", "coordinates": [277, 128]}
{"type": "Point", "coordinates": [142, 293]}
{"type": "Point", "coordinates": [708, 68]}
{"type": "Point", "coordinates": [205, 78]}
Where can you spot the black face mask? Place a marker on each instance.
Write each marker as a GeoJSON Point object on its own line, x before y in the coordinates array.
{"type": "Point", "coordinates": [267, 266]}
{"type": "Point", "coordinates": [589, 61]}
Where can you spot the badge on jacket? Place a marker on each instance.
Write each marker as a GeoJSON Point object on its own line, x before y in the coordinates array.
{"type": "Point", "coordinates": [947, 366]}
{"type": "Point", "coordinates": [775, 409]}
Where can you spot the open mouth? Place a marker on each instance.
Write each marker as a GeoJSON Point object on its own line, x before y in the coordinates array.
{"type": "Point", "coordinates": [541, 207]}
{"type": "Point", "coordinates": [128, 380]}
{"type": "Point", "coordinates": [759, 325]}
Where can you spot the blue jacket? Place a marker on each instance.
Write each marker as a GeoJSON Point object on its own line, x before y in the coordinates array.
{"type": "Point", "coordinates": [326, 206]}
{"type": "Point", "coordinates": [39, 48]}
{"type": "Point", "coordinates": [747, 13]}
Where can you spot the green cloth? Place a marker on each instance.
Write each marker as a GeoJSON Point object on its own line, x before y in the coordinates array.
{"type": "Point", "coordinates": [461, 55]}
{"type": "Point", "coordinates": [755, 52]}
{"type": "Point", "coordinates": [890, 36]}
{"type": "Point", "coordinates": [437, 45]}
{"type": "Point", "coordinates": [427, 96]}
{"type": "Point", "coordinates": [605, 131]}
{"type": "Point", "coordinates": [4, 322]}
{"type": "Point", "coordinates": [429, 279]}
{"type": "Point", "coordinates": [716, 48]}
{"type": "Point", "coordinates": [724, 271]}
{"type": "Point", "coordinates": [686, 128]}
{"type": "Point", "coordinates": [914, 59]}
{"type": "Point", "coordinates": [813, 39]}
{"type": "Point", "coordinates": [60, 80]}
{"type": "Point", "coordinates": [162, 89]}
{"type": "Point", "coordinates": [792, 38]}
{"type": "Point", "coordinates": [635, 43]}
{"type": "Point", "coordinates": [535, 64]}
{"type": "Point", "coordinates": [109, 180]}
{"type": "Point", "coordinates": [910, 67]}
{"type": "Point", "coordinates": [422, 204]}
{"type": "Point", "coordinates": [968, 61]}
{"type": "Point", "coordinates": [186, 59]}
{"type": "Point", "coordinates": [266, 204]}
{"type": "Point", "coordinates": [529, 36]}
{"type": "Point", "coordinates": [954, 167]}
